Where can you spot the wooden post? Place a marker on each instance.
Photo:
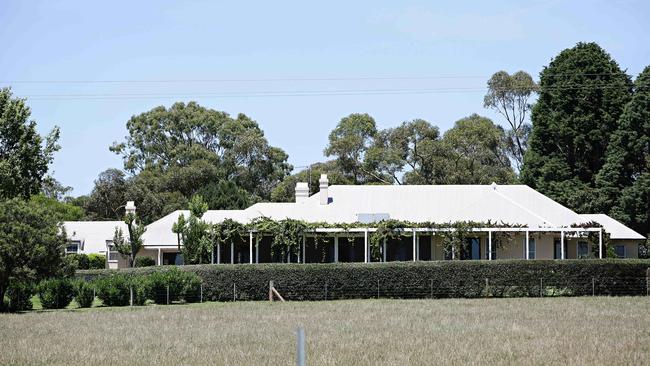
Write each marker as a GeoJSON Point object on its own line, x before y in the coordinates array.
{"type": "Point", "coordinates": [271, 291]}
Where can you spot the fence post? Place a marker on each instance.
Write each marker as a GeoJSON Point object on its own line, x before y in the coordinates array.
{"type": "Point", "coordinates": [234, 292]}
{"type": "Point", "coordinates": [432, 288]}
{"type": "Point", "coordinates": [167, 294]}
{"type": "Point", "coordinates": [325, 290]}
{"type": "Point", "coordinates": [487, 286]}
{"type": "Point", "coordinates": [271, 291]}
{"type": "Point", "coordinates": [593, 286]}
{"type": "Point", "coordinates": [131, 295]}
{"type": "Point", "coordinates": [201, 299]}
{"type": "Point", "coordinates": [541, 284]}
{"type": "Point", "coordinates": [300, 346]}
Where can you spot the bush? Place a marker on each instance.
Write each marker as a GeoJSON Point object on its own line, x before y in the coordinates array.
{"type": "Point", "coordinates": [78, 261]}
{"type": "Point", "coordinates": [20, 296]}
{"type": "Point", "coordinates": [96, 261]}
{"type": "Point", "coordinates": [56, 293]}
{"type": "Point", "coordinates": [84, 294]}
{"type": "Point", "coordinates": [182, 286]}
{"type": "Point", "coordinates": [115, 290]}
{"type": "Point", "coordinates": [144, 262]}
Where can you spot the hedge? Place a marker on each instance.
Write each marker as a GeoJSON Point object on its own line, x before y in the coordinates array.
{"type": "Point", "coordinates": [502, 278]}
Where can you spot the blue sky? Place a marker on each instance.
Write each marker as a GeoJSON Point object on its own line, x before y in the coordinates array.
{"type": "Point", "coordinates": [448, 48]}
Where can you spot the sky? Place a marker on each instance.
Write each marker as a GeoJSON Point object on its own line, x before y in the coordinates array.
{"type": "Point", "coordinates": [296, 68]}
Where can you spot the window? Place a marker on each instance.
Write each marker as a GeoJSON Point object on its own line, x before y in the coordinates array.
{"type": "Point", "coordinates": [620, 251]}
{"type": "Point", "coordinates": [532, 248]}
{"type": "Point", "coordinates": [557, 251]}
{"type": "Point", "coordinates": [471, 249]}
{"type": "Point", "coordinates": [72, 247]}
{"type": "Point", "coordinates": [583, 250]}
{"type": "Point", "coordinates": [113, 254]}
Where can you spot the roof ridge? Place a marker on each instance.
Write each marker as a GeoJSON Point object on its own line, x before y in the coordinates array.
{"type": "Point", "coordinates": [522, 206]}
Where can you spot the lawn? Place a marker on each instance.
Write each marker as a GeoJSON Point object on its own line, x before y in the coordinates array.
{"type": "Point", "coordinates": [585, 331]}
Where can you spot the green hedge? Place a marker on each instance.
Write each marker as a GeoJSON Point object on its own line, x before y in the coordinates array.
{"type": "Point", "coordinates": [503, 278]}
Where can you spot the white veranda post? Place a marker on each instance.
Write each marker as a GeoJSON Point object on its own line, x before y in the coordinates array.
{"type": "Point", "coordinates": [336, 249]}
{"type": "Point", "coordinates": [250, 247]}
{"type": "Point", "coordinates": [414, 246]}
{"type": "Point", "coordinates": [562, 254]}
{"type": "Point", "coordinates": [527, 244]}
{"type": "Point", "coordinates": [365, 245]}
{"type": "Point", "coordinates": [600, 243]}
{"type": "Point", "coordinates": [490, 245]}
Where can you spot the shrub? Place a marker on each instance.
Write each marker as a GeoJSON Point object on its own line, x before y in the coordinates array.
{"type": "Point", "coordinates": [56, 293]}
{"type": "Point", "coordinates": [144, 262]}
{"type": "Point", "coordinates": [20, 296]}
{"type": "Point", "coordinates": [505, 278]}
{"type": "Point", "coordinates": [182, 286]}
{"type": "Point", "coordinates": [84, 293]}
{"type": "Point", "coordinates": [115, 290]}
{"type": "Point", "coordinates": [96, 261]}
{"type": "Point", "coordinates": [78, 261]}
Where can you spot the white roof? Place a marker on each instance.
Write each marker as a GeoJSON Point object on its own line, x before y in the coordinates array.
{"type": "Point", "coordinates": [509, 204]}
{"type": "Point", "coordinates": [615, 229]}
{"type": "Point", "coordinates": [92, 234]}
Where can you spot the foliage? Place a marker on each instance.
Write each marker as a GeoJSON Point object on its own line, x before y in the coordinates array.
{"type": "Point", "coordinates": [582, 94]}
{"type": "Point", "coordinates": [115, 289]}
{"type": "Point", "coordinates": [348, 143]}
{"type": "Point", "coordinates": [509, 95]}
{"type": "Point", "coordinates": [197, 246]}
{"type": "Point", "coordinates": [84, 293]}
{"type": "Point", "coordinates": [63, 210]}
{"type": "Point", "coordinates": [20, 296]}
{"type": "Point", "coordinates": [24, 154]}
{"type": "Point", "coordinates": [129, 247]}
{"type": "Point", "coordinates": [144, 262]}
{"type": "Point", "coordinates": [181, 285]}
{"type": "Point", "coordinates": [506, 278]}
{"type": "Point", "coordinates": [55, 293]}
{"type": "Point", "coordinates": [624, 180]}
{"type": "Point", "coordinates": [31, 243]}
{"type": "Point", "coordinates": [286, 190]}
{"type": "Point", "coordinates": [225, 195]}
{"type": "Point", "coordinates": [96, 261]}
{"type": "Point", "coordinates": [227, 231]}
{"type": "Point", "coordinates": [78, 261]}
{"type": "Point", "coordinates": [287, 235]}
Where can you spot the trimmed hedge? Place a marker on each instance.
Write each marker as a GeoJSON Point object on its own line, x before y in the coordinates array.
{"type": "Point", "coordinates": [20, 296]}
{"type": "Point", "coordinates": [96, 261]}
{"type": "Point", "coordinates": [144, 262]}
{"type": "Point", "coordinates": [502, 278]}
{"type": "Point", "coordinates": [56, 293]}
{"type": "Point", "coordinates": [84, 293]}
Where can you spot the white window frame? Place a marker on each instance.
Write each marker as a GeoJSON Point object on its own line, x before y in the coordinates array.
{"type": "Point", "coordinates": [109, 244]}
{"type": "Point", "coordinates": [70, 243]}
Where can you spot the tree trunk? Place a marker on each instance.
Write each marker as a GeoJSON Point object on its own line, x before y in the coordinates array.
{"type": "Point", "coordinates": [3, 308]}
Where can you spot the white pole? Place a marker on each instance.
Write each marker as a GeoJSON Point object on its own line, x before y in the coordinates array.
{"type": "Point", "coordinates": [218, 253]}
{"type": "Point", "coordinates": [490, 245]}
{"type": "Point", "coordinates": [600, 243]}
{"type": "Point", "coordinates": [159, 257]}
{"type": "Point", "coordinates": [304, 246]}
{"type": "Point", "coordinates": [365, 245]}
{"type": "Point", "coordinates": [384, 250]}
{"type": "Point", "coordinates": [417, 251]}
{"type": "Point", "coordinates": [336, 249]}
{"type": "Point", "coordinates": [527, 244]}
{"type": "Point", "coordinates": [250, 247]}
{"type": "Point", "coordinates": [562, 254]}
{"type": "Point", "coordinates": [212, 256]}
{"type": "Point", "coordinates": [232, 253]}
{"type": "Point", "coordinates": [414, 246]}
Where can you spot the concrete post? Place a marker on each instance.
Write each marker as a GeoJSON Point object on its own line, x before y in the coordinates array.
{"type": "Point", "coordinates": [250, 247]}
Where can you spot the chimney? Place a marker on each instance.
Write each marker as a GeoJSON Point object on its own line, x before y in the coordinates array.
{"type": "Point", "coordinates": [323, 184]}
{"type": "Point", "coordinates": [130, 207]}
{"type": "Point", "coordinates": [302, 191]}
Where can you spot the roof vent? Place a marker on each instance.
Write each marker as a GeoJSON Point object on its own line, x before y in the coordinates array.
{"type": "Point", "coordinates": [302, 192]}
{"type": "Point", "coordinates": [494, 186]}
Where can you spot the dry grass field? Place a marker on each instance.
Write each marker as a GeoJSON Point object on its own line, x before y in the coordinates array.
{"type": "Point", "coordinates": [578, 331]}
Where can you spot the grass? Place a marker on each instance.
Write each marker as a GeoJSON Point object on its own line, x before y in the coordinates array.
{"type": "Point", "coordinates": [578, 331]}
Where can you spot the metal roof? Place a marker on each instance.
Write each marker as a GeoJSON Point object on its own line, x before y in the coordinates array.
{"type": "Point", "coordinates": [615, 229]}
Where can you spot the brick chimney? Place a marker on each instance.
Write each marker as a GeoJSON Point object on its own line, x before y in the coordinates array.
{"type": "Point", "coordinates": [302, 192]}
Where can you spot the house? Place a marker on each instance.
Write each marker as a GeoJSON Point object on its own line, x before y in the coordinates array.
{"type": "Point", "coordinates": [519, 222]}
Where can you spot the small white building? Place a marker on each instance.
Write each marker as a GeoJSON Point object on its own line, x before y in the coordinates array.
{"type": "Point", "coordinates": [537, 227]}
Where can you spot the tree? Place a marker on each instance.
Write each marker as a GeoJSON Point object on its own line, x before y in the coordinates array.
{"type": "Point", "coordinates": [129, 247]}
{"type": "Point", "coordinates": [24, 154]}
{"type": "Point", "coordinates": [188, 146]}
{"type": "Point", "coordinates": [348, 143]}
{"type": "Point", "coordinates": [197, 245]}
{"type": "Point", "coordinates": [107, 199]}
{"type": "Point", "coordinates": [64, 211]}
{"type": "Point", "coordinates": [582, 94]}
{"type": "Point", "coordinates": [509, 95]}
{"type": "Point", "coordinates": [476, 153]}
{"type": "Point", "coordinates": [225, 195]}
{"type": "Point", "coordinates": [31, 243]}
{"type": "Point", "coordinates": [624, 181]}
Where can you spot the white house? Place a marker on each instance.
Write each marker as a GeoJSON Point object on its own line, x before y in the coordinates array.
{"type": "Point", "coordinates": [529, 225]}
